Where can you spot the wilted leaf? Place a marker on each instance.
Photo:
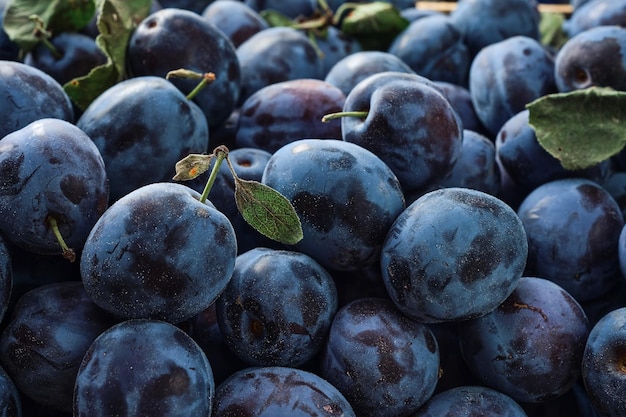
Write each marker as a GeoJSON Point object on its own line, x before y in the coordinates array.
{"type": "Point", "coordinates": [373, 24]}
{"type": "Point", "coordinates": [268, 211]}
{"type": "Point", "coordinates": [191, 166]}
{"type": "Point", "coordinates": [116, 21]}
{"type": "Point", "coordinates": [57, 15]}
{"type": "Point", "coordinates": [551, 30]}
{"type": "Point", "coordinates": [581, 128]}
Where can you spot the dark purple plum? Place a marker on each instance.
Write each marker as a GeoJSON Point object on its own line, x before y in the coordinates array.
{"type": "Point", "coordinates": [158, 253]}
{"type": "Point", "coordinates": [434, 48]}
{"type": "Point", "coordinates": [276, 54]}
{"type": "Point", "coordinates": [277, 307]}
{"type": "Point", "coordinates": [573, 227]}
{"type": "Point", "coordinates": [471, 401]}
{"type": "Point", "coordinates": [461, 100]}
{"type": "Point", "coordinates": [528, 164]}
{"type": "Point", "coordinates": [357, 66]}
{"type": "Point", "coordinates": [615, 184]}
{"type": "Point", "coordinates": [235, 18]}
{"type": "Point", "coordinates": [196, 6]}
{"type": "Point", "coordinates": [476, 166]}
{"type": "Point", "coordinates": [530, 347]}
{"type": "Point", "coordinates": [485, 22]}
{"type": "Point", "coordinates": [144, 368]}
{"type": "Point", "coordinates": [204, 329]}
{"type": "Point", "coordinates": [594, 57]}
{"type": "Point", "coordinates": [50, 169]}
{"type": "Point", "coordinates": [155, 49]}
{"type": "Point", "coordinates": [143, 119]}
{"type": "Point", "coordinates": [594, 14]}
{"type": "Point", "coordinates": [28, 94]}
{"type": "Point", "coordinates": [292, 9]}
{"type": "Point", "coordinates": [453, 254]}
{"type": "Point", "coordinates": [335, 45]}
{"type": "Point", "coordinates": [409, 125]}
{"type": "Point", "coordinates": [286, 111]}
{"type": "Point", "coordinates": [7, 276]}
{"type": "Point", "coordinates": [384, 363]}
{"type": "Point", "coordinates": [10, 400]}
{"type": "Point", "coordinates": [507, 75]}
{"type": "Point", "coordinates": [78, 52]}
{"type": "Point", "coordinates": [604, 363]}
{"type": "Point", "coordinates": [279, 392]}
{"type": "Point", "coordinates": [346, 198]}
{"type": "Point", "coordinates": [50, 330]}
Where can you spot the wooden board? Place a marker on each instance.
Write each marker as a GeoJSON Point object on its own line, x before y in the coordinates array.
{"type": "Point", "coordinates": [448, 6]}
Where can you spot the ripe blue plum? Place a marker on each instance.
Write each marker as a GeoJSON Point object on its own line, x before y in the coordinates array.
{"type": "Point", "coordinates": [286, 111]}
{"type": "Point", "coordinates": [293, 9]}
{"type": "Point", "coordinates": [476, 166]}
{"type": "Point", "coordinates": [79, 54]}
{"type": "Point", "coordinates": [276, 54]}
{"type": "Point", "coordinates": [357, 66]}
{"type": "Point", "coordinates": [335, 45]}
{"type": "Point", "coordinates": [507, 75]}
{"type": "Point", "coordinates": [594, 14]}
{"type": "Point", "coordinates": [434, 48]}
{"type": "Point", "coordinates": [453, 254]}
{"type": "Point", "coordinates": [142, 119]}
{"type": "Point", "coordinates": [235, 18]}
{"type": "Point", "coordinates": [409, 125]}
{"type": "Point", "coordinates": [28, 94]}
{"type": "Point", "coordinates": [461, 100]}
{"type": "Point", "coordinates": [279, 392]}
{"type": "Point", "coordinates": [154, 49]}
{"type": "Point", "coordinates": [485, 22]}
{"type": "Point", "coordinates": [530, 347]}
{"type": "Point", "coordinates": [528, 164]}
{"type": "Point", "coordinates": [346, 198]}
{"type": "Point", "coordinates": [42, 345]}
{"type": "Point", "coordinates": [7, 280]}
{"type": "Point", "coordinates": [144, 368]}
{"type": "Point", "coordinates": [573, 228]}
{"type": "Point", "coordinates": [204, 329]}
{"type": "Point", "coordinates": [277, 307]}
{"type": "Point", "coordinates": [470, 401]}
{"type": "Point", "coordinates": [50, 169]}
{"type": "Point", "coordinates": [160, 253]}
{"type": "Point", "coordinates": [10, 400]}
{"type": "Point", "coordinates": [603, 363]}
{"type": "Point", "coordinates": [594, 57]}
{"type": "Point", "coordinates": [384, 363]}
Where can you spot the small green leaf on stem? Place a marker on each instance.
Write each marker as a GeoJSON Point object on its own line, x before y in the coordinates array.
{"type": "Point", "coordinates": [192, 166]}
{"type": "Point", "coordinates": [268, 211]}
{"type": "Point", "coordinates": [581, 128]}
{"type": "Point", "coordinates": [275, 18]}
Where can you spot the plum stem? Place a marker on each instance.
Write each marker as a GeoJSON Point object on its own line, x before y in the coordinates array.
{"type": "Point", "coordinates": [221, 152]}
{"type": "Point", "coordinates": [43, 35]}
{"type": "Point", "coordinates": [205, 79]}
{"type": "Point", "coordinates": [338, 115]}
{"type": "Point", "coordinates": [68, 253]}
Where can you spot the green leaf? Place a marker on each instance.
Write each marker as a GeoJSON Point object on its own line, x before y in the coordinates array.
{"type": "Point", "coordinates": [58, 16]}
{"type": "Point", "coordinates": [192, 166]}
{"type": "Point", "coordinates": [275, 18]}
{"type": "Point", "coordinates": [374, 24]}
{"type": "Point", "coordinates": [116, 21]}
{"type": "Point", "coordinates": [551, 30]}
{"type": "Point", "coordinates": [581, 128]}
{"type": "Point", "coordinates": [268, 211]}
